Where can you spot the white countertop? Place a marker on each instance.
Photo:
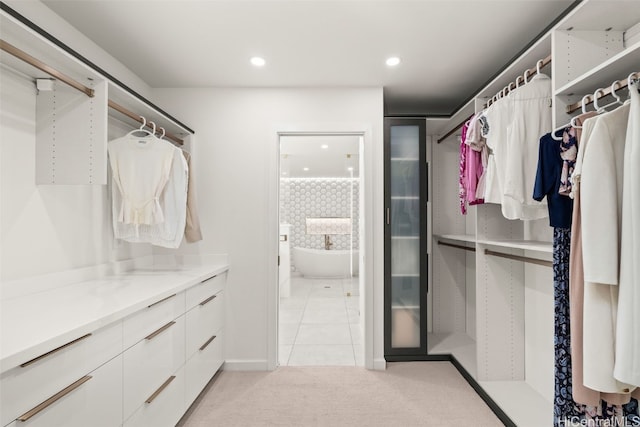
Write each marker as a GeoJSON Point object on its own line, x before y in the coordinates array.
{"type": "Point", "coordinates": [35, 323]}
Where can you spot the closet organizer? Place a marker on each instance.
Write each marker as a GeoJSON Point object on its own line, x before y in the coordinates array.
{"type": "Point", "coordinates": [495, 298]}
{"type": "Point", "coordinates": [88, 364]}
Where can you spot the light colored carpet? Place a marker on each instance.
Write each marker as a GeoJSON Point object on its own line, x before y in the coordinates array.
{"type": "Point", "coordinates": [406, 394]}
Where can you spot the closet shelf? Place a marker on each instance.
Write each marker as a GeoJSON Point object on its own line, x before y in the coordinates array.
{"type": "Point", "coordinates": [522, 403]}
{"type": "Point", "coordinates": [616, 68]}
{"type": "Point", "coordinates": [458, 344]}
{"type": "Point", "coordinates": [528, 245]}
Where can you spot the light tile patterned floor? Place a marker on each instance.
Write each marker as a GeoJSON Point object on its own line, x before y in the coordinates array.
{"type": "Point", "coordinates": [320, 323]}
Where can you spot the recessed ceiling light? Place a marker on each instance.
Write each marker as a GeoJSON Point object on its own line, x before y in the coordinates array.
{"type": "Point", "coordinates": [393, 61]}
{"type": "Point", "coordinates": [349, 168]}
{"type": "Point", "coordinates": [284, 173]}
{"type": "Point", "coordinates": [256, 61]}
{"type": "Point", "coordinates": [325, 146]}
{"type": "Point", "coordinates": [305, 169]}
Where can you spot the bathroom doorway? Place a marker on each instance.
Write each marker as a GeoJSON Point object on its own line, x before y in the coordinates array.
{"type": "Point", "coordinates": [320, 320]}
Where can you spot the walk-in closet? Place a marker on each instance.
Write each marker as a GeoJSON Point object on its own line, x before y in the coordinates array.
{"type": "Point", "coordinates": [456, 242]}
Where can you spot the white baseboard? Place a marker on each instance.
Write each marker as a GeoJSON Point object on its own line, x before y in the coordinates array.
{"type": "Point", "coordinates": [245, 365]}
{"type": "Point", "coordinates": [379, 364]}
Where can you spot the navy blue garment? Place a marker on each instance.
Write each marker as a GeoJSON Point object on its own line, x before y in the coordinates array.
{"type": "Point", "coordinates": [547, 183]}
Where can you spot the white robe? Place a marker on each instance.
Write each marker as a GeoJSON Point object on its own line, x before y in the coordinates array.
{"type": "Point", "coordinates": [627, 362]}
{"type": "Point", "coordinates": [601, 209]}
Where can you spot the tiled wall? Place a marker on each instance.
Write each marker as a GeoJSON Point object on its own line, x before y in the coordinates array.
{"type": "Point", "coordinates": [301, 198]}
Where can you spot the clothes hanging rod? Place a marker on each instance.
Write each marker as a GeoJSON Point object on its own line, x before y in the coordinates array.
{"type": "Point", "coordinates": [602, 93]}
{"type": "Point", "coordinates": [41, 32]}
{"type": "Point", "coordinates": [530, 72]}
{"type": "Point", "coordinates": [466, 248]}
{"type": "Point", "coordinates": [452, 131]}
{"type": "Point", "coordinates": [519, 258]}
{"type": "Point", "coordinates": [119, 108]}
{"type": "Point", "coordinates": [25, 57]}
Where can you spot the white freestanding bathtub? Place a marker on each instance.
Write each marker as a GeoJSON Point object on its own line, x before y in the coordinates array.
{"type": "Point", "coordinates": [316, 263]}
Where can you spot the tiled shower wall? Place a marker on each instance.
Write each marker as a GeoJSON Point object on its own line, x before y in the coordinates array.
{"type": "Point", "coordinates": [301, 198]}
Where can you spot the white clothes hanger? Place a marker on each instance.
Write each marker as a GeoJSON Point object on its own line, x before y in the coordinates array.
{"type": "Point", "coordinates": [163, 133]}
{"type": "Point", "coordinates": [526, 75]}
{"type": "Point", "coordinates": [572, 122]}
{"type": "Point", "coordinates": [141, 129]}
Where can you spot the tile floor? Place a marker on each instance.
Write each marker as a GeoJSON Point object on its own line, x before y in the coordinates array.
{"type": "Point", "coordinates": [320, 323]}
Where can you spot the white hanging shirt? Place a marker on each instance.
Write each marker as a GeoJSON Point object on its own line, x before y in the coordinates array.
{"type": "Point", "coordinates": [173, 201]}
{"type": "Point", "coordinates": [530, 119]}
{"type": "Point", "coordinates": [141, 168]}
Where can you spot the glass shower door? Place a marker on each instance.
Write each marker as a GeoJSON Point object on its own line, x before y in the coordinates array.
{"type": "Point", "coordinates": [405, 244]}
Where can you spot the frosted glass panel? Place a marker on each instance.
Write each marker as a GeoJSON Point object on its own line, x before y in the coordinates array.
{"type": "Point", "coordinates": [404, 141]}
{"type": "Point", "coordinates": [405, 327]}
{"type": "Point", "coordinates": [405, 256]}
{"type": "Point", "coordinates": [405, 217]}
{"type": "Point", "coordinates": [405, 291]}
{"type": "Point", "coordinates": [405, 178]}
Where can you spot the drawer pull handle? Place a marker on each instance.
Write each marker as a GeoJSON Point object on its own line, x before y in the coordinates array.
{"type": "Point", "coordinates": [162, 300]}
{"type": "Point", "coordinates": [212, 297]}
{"type": "Point", "coordinates": [159, 390]}
{"type": "Point", "coordinates": [49, 353]}
{"type": "Point", "coordinates": [207, 343]}
{"type": "Point", "coordinates": [152, 335]}
{"type": "Point", "coordinates": [54, 398]}
{"type": "Point", "coordinates": [210, 278]}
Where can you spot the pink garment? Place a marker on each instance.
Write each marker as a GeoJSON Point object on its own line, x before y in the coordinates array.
{"type": "Point", "coordinates": [476, 151]}
{"type": "Point", "coordinates": [462, 187]}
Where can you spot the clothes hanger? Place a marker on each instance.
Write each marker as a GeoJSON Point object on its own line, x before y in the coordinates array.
{"type": "Point", "coordinates": [526, 75]}
{"type": "Point", "coordinates": [141, 129]}
{"type": "Point", "coordinates": [163, 133]}
{"type": "Point", "coordinates": [572, 122]}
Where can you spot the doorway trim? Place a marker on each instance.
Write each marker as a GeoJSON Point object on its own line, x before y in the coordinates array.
{"type": "Point", "coordinates": [366, 239]}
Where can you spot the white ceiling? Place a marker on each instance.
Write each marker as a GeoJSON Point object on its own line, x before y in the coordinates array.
{"type": "Point", "coordinates": [449, 49]}
{"type": "Point", "coordinates": [334, 160]}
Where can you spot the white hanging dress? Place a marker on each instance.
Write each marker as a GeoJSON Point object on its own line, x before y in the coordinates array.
{"type": "Point", "coordinates": [627, 358]}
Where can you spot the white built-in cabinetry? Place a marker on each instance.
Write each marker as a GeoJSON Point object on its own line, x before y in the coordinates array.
{"type": "Point", "coordinates": [495, 315]}
{"type": "Point", "coordinates": [142, 361]}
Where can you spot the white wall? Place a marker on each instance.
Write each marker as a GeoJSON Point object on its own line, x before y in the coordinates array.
{"type": "Point", "coordinates": [234, 150]}
{"type": "Point", "coordinates": [47, 228]}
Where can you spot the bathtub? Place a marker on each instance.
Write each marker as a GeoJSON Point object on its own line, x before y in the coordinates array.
{"type": "Point", "coordinates": [324, 263]}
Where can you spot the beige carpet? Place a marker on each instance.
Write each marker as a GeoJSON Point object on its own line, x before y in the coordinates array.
{"type": "Point", "coordinates": [406, 394]}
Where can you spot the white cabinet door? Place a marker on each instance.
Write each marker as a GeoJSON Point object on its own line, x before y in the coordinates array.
{"type": "Point", "coordinates": [150, 362]}
{"type": "Point", "coordinates": [204, 321]}
{"type": "Point", "coordinates": [94, 400]}
{"type": "Point", "coordinates": [197, 293]}
{"type": "Point", "coordinates": [140, 324]}
{"type": "Point", "coordinates": [164, 407]}
{"type": "Point", "coordinates": [202, 367]}
{"type": "Point", "coordinates": [36, 380]}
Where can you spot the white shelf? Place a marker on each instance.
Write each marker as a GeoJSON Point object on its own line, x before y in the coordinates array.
{"type": "Point", "coordinates": [405, 307]}
{"type": "Point", "coordinates": [599, 15]}
{"type": "Point", "coordinates": [616, 68]}
{"type": "Point", "coordinates": [527, 245]}
{"type": "Point", "coordinates": [405, 198]}
{"type": "Point", "coordinates": [405, 275]}
{"type": "Point", "coordinates": [404, 159]}
{"type": "Point", "coordinates": [465, 238]}
{"type": "Point", "coordinates": [405, 237]}
{"type": "Point", "coordinates": [524, 405]}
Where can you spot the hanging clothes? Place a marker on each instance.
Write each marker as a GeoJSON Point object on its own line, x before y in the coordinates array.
{"type": "Point", "coordinates": [192, 232]}
{"type": "Point", "coordinates": [476, 161]}
{"type": "Point", "coordinates": [601, 200]}
{"type": "Point", "coordinates": [495, 134]}
{"type": "Point", "coordinates": [462, 182]}
{"type": "Point", "coordinates": [530, 119]}
{"type": "Point", "coordinates": [141, 168]}
{"type": "Point", "coordinates": [627, 353]}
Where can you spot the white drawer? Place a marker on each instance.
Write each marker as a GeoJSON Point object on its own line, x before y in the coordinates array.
{"type": "Point", "coordinates": [24, 387]}
{"type": "Point", "coordinates": [150, 362]}
{"type": "Point", "coordinates": [164, 406]}
{"type": "Point", "coordinates": [140, 324]}
{"type": "Point", "coordinates": [201, 367]}
{"type": "Point", "coordinates": [203, 321]}
{"type": "Point", "coordinates": [205, 289]}
{"type": "Point", "coordinates": [93, 400]}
